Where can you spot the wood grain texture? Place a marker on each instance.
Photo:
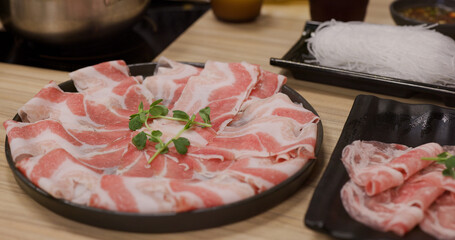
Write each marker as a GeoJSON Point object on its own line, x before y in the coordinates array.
{"type": "Point", "coordinates": [271, 35]}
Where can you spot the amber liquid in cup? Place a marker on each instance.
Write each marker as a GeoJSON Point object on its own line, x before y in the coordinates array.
{"type": "Point", "coordinates": [341, 10]}
{"type": "Point", "coordinates": [236, 10]}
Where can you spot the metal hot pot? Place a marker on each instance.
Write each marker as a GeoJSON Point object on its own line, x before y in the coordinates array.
{"type": "Point", "coordinates": [68, 21]}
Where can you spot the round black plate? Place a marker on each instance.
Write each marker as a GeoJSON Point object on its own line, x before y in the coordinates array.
{"type": "Point", "coordinates": [169, 222]}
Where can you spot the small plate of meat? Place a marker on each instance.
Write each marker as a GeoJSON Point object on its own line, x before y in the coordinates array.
{"type": "Point", "coordinates": [381, 130]}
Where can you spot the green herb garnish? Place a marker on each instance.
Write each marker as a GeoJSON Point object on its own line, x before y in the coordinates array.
{"type": "Point", "coordinates": [155, 110]}
{"type": "Point", "coordinates": [448, 160]}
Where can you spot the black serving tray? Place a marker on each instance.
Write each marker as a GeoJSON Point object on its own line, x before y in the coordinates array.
{"type": "Point", "coordinates": [169, 222]}
{"type": "Point", "coordinates": [296, 60]}
{"type": "Point", "coordinates": [373, 118]}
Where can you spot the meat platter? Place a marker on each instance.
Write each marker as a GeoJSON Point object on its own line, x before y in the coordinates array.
{"type": "Point", "coordinates": [169, 222]}
{"type": "Point", "coordinates": [374, 119]}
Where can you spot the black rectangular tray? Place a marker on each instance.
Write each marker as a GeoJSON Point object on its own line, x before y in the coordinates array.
{"type": "Point", "coordinates": [375, 119]}
{"type": "Point", "coordinates": [296, 60]}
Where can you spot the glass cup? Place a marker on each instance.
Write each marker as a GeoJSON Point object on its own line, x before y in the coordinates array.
{"type": "Point", "coordinates": [341, 10]}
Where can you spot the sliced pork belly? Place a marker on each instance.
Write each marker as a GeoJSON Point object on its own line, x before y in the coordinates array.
{"type": "Point", "coordinates": [171, 165]}
{"type": "Point", "coordinates": [52, 102]}
{"type": "Point", "coordinates": [196, 135]}
{"type": "Point", "coordinates": [221, 86]}
{"type": "Point", "coordinates": [262, 137]}
{"type": "Point", "coordinates": [98, 78]}
{"type": "Point", "coordinates": [217, 191]}
{"type": "Point", "coordinates": [75, 113]}
{"type": "Point", "coordinates": [157, 195]}
{"type": "Point", "coordinates": [127, 194]}
{"type": "Point", "coordinates": [262, 173]}
{"type": "Point", "coordinates": [169, 80]}
{"type": "Point", "coordinates": [266, 127]}
{"type": "Point", "coordinates": [380, 166]}
{"type": "Point", "coordinates": [36, 139]}
{"type": "Point", "coordinates": [268, 84]}
{"type": "Point", "coordinates": [398, 209]}
{"type": "Point", "coordinates": [110, 84]}
{"type": "Point", "coordinates": [61, 175]}
{"type": "Point", "coordinates": [276, 105]}
{"type": "Point", "coordinates": [439, 219]}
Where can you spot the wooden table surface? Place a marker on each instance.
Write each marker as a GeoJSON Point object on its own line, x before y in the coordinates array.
{"type": "Point", "coordinates": [271, 35]}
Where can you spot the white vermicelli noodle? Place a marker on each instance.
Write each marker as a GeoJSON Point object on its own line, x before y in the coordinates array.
{"type": "Point", "coordinates": [414, 53]}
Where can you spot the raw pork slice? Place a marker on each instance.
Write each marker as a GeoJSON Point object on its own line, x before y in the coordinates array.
{"type": "Point", "coordinates": [100, 78]}
{"type": "Point", "coordinates": [171, 165]}
{"type": "Point", "coordinates": [267, 127]}
{"type": "Point", "coordinates": [39, 138]}
{"type": "Point", "coordinates": [71, 109]}
{"type": "Point", "coordinates": [155, 195]}
{"type": "Point", "coordinates": [169, 80]}
{"type": "Point", "coordinates": [262, 173]}
{"type": "Point", "coordinates": [276, 105]}
{"type": "Point", "coordinates": [61, 175]}
{"type": "Point", "coordinates": [197, 136]}
{"type": "Point", "coordinates": [111, 85]}
{"type": "Point", "coordinates": [439, 219]}
{"type": "Point", "coordinates": [86, 119]}
{"type": "Point", "coordinates": [221, 86]}
{"type": "Point", "coordinates": [268, 84]}
{"type": "Point", "coordinates": [380, 166]}
{"type": "Point", "coordinates": [262, 137]}
{"type": "Point", "coordinates": [399, 209]}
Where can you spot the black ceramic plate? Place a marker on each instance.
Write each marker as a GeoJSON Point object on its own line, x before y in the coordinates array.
{"type": "Point", "coordinates": [170, 222]}
{"type": "Point", "coordinates": [373, 118]}
{"type": "Point", "coordinates": [296, 61]}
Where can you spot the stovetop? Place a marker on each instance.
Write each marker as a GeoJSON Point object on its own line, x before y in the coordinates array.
{"type": "Point", "coordinates": [162, 23]}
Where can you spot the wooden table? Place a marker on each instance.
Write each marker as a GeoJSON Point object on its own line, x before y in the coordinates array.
{"type": "Point", "coordinates": [271, 35]}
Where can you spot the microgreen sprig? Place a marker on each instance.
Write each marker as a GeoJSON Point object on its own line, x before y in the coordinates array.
{"type": "Point", "coordinates": [448, 160]}
{"type": "Point", "coordinates": [160, 111]}
{"type": "Point", "coordinates": [155, 110]}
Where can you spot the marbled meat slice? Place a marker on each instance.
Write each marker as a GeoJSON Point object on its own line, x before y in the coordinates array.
{"type": "Point", "coordinates": [71, 109]}
{"type": "Point", "coordinates": [262, 137]}
{"type": "Point", "coordinates": [278, 104]}
{"type": "Point", "coordinates": [169, 80]}
{"type": "Point", "coordinates": [271, 136]}
{"type": "Point", "coordinates": [39, 138]}
{"type": "Point", "coordinates": [52, 102]}
{"type": "Point", "coordinates": [398, 209]}
{"type": "Point", "coordinates": [197, 136]}
{"type": "Point", "coordinates": [171, 165]}
{"type": "Point", "coordinates": [266, 127]}
{"type": "Point", "coordinates": [268, 84]}
{"type": "Point", "coordinates": [381, 166]}
{"type": "Point", "coordinates": [61, 175]}
{"type": "Point", "coordinates": [110, 84]}
{"type": "Point", "coordinates": [263, 173]}
{"type": "Point", "coordinates": [221, 86]}
{"type": "Point", "coordinates": [439, 219]}
{"type": "Point", "coordinates": [158, 195]}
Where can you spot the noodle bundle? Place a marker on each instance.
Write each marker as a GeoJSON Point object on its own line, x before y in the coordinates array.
{"type": "Point", "coordinates": [414, 53]}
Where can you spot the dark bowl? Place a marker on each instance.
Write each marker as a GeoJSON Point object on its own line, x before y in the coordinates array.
{"type": "Point", "coordinates": [399, 5]}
